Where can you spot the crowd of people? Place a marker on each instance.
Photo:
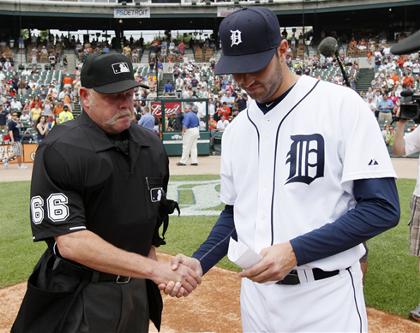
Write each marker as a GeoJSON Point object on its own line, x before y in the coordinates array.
{"type": "Point", "coordinates": [40, 104]}
{"type": "Point", "coordinates": [210, 96]}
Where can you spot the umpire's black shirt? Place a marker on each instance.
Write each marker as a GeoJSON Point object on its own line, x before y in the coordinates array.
{"type": "Point", "coordinates": [82, 180]}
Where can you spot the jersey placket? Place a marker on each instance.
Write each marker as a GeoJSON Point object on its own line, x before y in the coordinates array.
{"type": "Point", "coordinates": [267, 130]}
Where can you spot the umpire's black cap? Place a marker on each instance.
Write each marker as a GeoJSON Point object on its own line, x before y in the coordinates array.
{"type": "Point", "coordinates": [108, 73]}
{"type": "Point", "coordinates": [250, 37]}
{"type": "Point", "coordinates": [407, 45]}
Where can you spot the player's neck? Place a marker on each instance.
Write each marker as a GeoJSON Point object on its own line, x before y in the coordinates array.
{"type": "Point", "coordinates": [289, 80]}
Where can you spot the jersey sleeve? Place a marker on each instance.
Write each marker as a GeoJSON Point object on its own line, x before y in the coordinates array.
{"type": "Point", "coordinates": [227, 190]}
{"type": "Point", "coordinates": [365, 154]}
{"type": "Point", "coordinates": [56, 203]}
{"type": "Point", "coordinates": [412, 142]}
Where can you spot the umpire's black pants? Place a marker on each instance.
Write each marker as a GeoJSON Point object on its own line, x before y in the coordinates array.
{"type": "Point", "coordinates": [104, 307]}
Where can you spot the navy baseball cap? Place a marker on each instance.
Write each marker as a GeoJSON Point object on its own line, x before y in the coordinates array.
{"type": "Point", "coordinates": [250, 37]}
{"type": "Point", "coordinates": [108, 73]}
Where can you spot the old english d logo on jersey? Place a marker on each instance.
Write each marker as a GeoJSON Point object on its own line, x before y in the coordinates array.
{"type": "Point", "coordinates": [306, 158]}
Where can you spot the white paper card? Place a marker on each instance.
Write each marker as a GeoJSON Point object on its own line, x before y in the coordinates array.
{"type": "Point", "coordinates": [242, 255]}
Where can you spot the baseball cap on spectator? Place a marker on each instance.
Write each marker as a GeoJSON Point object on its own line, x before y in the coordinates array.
{"type": "Point", "coordinates": [250, 37]}
{"type": "Point", "coordinates": [108, 73]}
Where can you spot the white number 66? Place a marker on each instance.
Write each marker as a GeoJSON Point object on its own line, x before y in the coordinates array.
{"type": "Point", "coordinates": [57, 209]}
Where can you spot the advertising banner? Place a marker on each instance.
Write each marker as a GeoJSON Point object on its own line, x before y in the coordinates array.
{"type": "Point", "coordinates": [170, 108]}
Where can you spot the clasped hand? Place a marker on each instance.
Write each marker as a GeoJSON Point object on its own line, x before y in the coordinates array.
{"type": "Point", "coordinates": [277, 261]}
{"type": "Point", "coordinates": [181, 263]}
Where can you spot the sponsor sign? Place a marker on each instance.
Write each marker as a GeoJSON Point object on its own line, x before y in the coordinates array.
{"type": "Point", "coordinates": [29, 150]}
{"type": "Point", "coordinates": [143, 12]}
{"type": "Point", "coordinates": [170, 108]}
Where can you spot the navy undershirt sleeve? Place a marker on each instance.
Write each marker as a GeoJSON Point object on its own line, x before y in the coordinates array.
{"type": "Point", "coordinates": [377, 210]}
{"type": "Point", "coordinates": [216, 245]}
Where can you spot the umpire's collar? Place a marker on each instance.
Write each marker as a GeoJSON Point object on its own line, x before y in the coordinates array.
{"type": "Point", "coordinates": [101, 142]}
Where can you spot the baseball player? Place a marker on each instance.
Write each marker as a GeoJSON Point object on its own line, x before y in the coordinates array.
{"type": "Point", "coordinates": [306, 178]}
{"type": "Point", "coordinates": [97, 200]}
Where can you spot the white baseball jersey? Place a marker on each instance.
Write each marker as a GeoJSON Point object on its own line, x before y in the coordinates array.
{"type": "Point", "coordinates": [291, 170]}
{"type": "Point", "coordinates": [412, 145]}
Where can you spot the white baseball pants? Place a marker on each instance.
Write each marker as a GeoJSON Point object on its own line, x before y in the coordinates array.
{"type": "Point", "coordinates": [334, 304]}
{"type": "Point", "coordinates": [189, 145]}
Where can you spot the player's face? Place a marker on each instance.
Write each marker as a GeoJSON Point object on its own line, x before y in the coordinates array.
{"type": "Point", "coordinates": [263, 86]}
{"type": "Point", "coordinates": [270, 82]}
{"type": "Point", "coordinates": [112, 112]}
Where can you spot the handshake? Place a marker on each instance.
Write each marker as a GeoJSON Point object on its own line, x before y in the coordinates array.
{"type": "Point", "coordinates": [181, 277]}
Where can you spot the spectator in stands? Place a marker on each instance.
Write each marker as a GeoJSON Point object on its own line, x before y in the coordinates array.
{"type": "Point", "coordinates": [226, 110]}
{"type": "Point", "coordinates": [35, 113]}
{"type": "Point", "coordinates": [42, 128]}
{"type": "Point", "coordinates": [408, 81]}
{"type": "Point", "coordinates": [64, 116]}
{"type": "Point", "coordinates": [385, 108]}
{"type": "Point", "coordinates": [48, 107]}
{"type": "Point", "coordinates": [67, 81]}
{"type": "Point", "coordinates": [372, 105]}
{"type": "Point", "coordinates": [58, 108]}
{"type": "Point", "coordinates": [3, 117]}
{"type": "Point", "coordinates": [52, 59]}
{"type": "Point", "coordinates": [181, 47]}
{"type": "Point", "coordinates": [242, 102]}
{"type": "Point", "coordinates": [222, 124]}
{"type": "Point", "coordinates": [15, 104]}
{"type": "Point", "coordinates": [147, 120]}
{"type": "Point", "coordinates": [14, 127]}
{"type": "Point", "coordinates": [168, 87]}
{"type": "Point", "coordinates": [34, 56]}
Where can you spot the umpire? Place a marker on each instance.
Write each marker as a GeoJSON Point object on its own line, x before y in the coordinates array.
{"type": "Point", "coordinates": [98, 200]}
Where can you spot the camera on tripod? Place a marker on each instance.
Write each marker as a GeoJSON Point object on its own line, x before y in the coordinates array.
{"type": "Point", "coordinates": [410, 106]}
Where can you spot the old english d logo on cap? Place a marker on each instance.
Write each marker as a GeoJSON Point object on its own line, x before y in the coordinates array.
{"type": "Point", "coordinates": [249, 37]}
{"type": "Point", "coordinates": [235, 37]}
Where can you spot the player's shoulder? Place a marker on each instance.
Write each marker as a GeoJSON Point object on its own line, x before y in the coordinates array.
{"type": "Point", "coordinates": [334, 91]}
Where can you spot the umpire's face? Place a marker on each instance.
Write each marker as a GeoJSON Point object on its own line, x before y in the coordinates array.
{"type": "Point", "coordinates": [111, 112]}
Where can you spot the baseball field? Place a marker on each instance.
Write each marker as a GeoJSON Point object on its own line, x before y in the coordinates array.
{"type": "Point", "coordinates": [392, 283]}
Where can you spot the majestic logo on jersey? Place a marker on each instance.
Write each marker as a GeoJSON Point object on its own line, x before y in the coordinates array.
{"type": "Point", "coordinates": [373, 162]}
{"type": "Point", "coordinates": [235, 37]}
{"type": "Point", "coordinates": [306, 158]}
{"type": "Point", "coordinates": [120, 67]}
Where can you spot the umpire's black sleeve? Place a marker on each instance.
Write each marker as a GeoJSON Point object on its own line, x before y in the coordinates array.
{"type": "Point", "coordinates": [217, 243]}
{"type": "Point", "coordinates": [377, 210]}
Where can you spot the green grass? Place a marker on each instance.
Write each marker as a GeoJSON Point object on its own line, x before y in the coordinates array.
{"type": "Point", "coordinates": [18, 254]}
{"type": "Point", "coordinates": [392, 284]}
{"type": "Point", "coordinates": [393, 281]}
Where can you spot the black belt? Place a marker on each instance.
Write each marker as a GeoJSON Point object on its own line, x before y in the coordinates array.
{"type": "Point", "coordinates": [107, 277]}
{"type": "Point", "coordinates": [292, 278]}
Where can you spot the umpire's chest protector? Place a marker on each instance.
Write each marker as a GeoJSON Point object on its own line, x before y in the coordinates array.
{"type": "Point", "coordinates": [290, 170]}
